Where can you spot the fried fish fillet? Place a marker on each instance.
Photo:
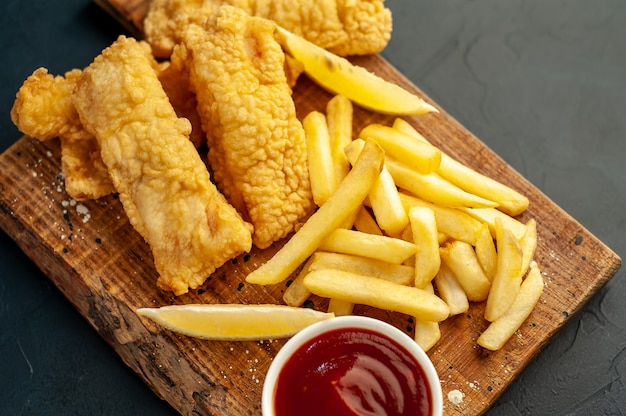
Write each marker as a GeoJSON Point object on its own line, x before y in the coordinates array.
{"type": "Point", "coordinates": [257, 147]}
{"type": "Point", "coordinates": [345, 27]}
{"type": "Point", "coordinates": [163, 185]}
{"type": "Point", "coordinates": [43, 109]}
{"type": "Point", "coordinates": [174, 78]}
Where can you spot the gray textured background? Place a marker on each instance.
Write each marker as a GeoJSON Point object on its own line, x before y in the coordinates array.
{"type": "Point", "coordinates": [542, 83]}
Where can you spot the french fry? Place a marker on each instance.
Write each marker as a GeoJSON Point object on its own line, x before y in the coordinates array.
{"type": "Point", "coordinates": [388, 209]}
{"type": "Point", "coordinates": [366, 290]}
{"type": "Point", "coordinates": [486, 251]}
{"type": "Point", "coordinates": [529, 243]}
{"type": "Point", "coordinates": [506, 283]}
{"type": "Point", "coordinates": [427, 333]}
{"type": "Point", "coordinates": [396, 273]}
{"type": "Point", "coordinates": [296, 293]}
{"type": "Point", "coordinates": [509, 200]}
{"type": "Point", "coordinates": [451, 222]}
{"type": "Point", "coordinates": [433, 188]}
{"type": "Point", "coordinates": [365, 223]}
{"type": "Point", "coordinates": [392, 250]}
{"type": "Point", "coordinates": [425, 236]}
{"type": "Point", "coordinates": [340, 307]}
{"type": "Point", "coordinates": [340, 206]}
{"type": "Point", "coordinates": [418, 155]}
{"type": "Point", "coordinates": [320, 162]}
{"type": "Point", "coordinates": [500, 330]}
{"type": "Point", "coordinates": [461, 258]}
{"type": "Point", "coordinates": [339, 115]}
{"type": "Point", "coordinates": [384, 200]}
{"type": "Point", "coordinates": [489, 215]}
{"type": "Point", "coordinates": [407, 235]}
{"type": "Point", "coordinates": [450, 291]}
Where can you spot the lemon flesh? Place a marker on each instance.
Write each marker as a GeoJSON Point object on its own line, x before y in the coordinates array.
{"type": "Point", "coordinates": [234, 322]}
{"type": "Point", "coordinates": [338, 75]}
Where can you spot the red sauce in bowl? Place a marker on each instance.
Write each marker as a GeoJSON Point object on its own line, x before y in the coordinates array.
{"type": "Point", "coordinates": [352, 372]}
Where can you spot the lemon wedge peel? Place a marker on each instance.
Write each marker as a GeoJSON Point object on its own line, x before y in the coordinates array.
{"type": "Point", "coordinates": [338, 75]}
{"type": "Point", "coordinates": [234, 322]}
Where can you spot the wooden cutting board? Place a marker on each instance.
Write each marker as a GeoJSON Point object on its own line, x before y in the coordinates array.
{"type": "Point", "coordinates": [105, 269]}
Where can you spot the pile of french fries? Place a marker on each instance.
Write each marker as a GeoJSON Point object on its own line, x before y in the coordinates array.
{"type": "Point", "coordinates": [404, 227]}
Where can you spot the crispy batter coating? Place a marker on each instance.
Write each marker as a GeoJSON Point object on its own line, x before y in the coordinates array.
{"type": "Point", "coordinates": [257, 148]}
{"type": "Point", "coordinates": [345, 27]}
{"type": "Point", "coordinates": [174, 78]}
{"type": "Point", "coordinates": [163, 184]}
{"type": "Point", "coordinates": [43, 109]}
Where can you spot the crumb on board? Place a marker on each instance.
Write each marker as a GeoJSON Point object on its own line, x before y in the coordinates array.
{"type": "Point", "coordinates": [455, 396]}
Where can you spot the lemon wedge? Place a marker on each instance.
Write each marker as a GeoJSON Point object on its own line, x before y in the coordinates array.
{"type": "Point", "coordinates": [234, 322]}
{"type": "Point", "coordinates": [340, 76]}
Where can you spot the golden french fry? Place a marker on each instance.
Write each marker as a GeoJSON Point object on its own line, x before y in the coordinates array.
{"type": "Point", "coordinates": [489, 215]}
{"type": "Point", "coordinates": [340, 206]}
{"type": "Point", "coordinates": [486, 251]}
{"type": "Point", "coordinates": [420, 156]}
{"type": "Point", "coordinates": [296, 293]}
{"type": "Point", "coordinates": [427, 333]}
{"type": "Point", "coordinates": [339, 115]}
{"type": "Point", "coordinates": [320, 162]}
{"type": "Point", "coordinates": [366, 290]}
{"type": "Point", "coordinates": [340, 307]}
{"type": "Point", "coordinates": [425, 236]}
{"type": "Point", "coordinates": [433, 188]}
{"type": "Point", "coordinates": [509, 200]}
{"type": "Point", "coordinates": [529, 243]}
{"type": "Point", "coordinates": [365, 223]}
{"type": "Point", "coordinates": [506, 283]}
{"type": "Point", "coordinates": [396, 273]}
{"type": "Point", "coordinates": [388, 209]}
{"type": "Point", "coordinates": [461, 258]}
{"type": "Point", "coordinates": [500, 330]}
{"type": "Point", "coordinates": [451, 222]}
{"type": "Point", "coordinates": [407, 235]}
{"type": "Point", "coordinates": [450, 291]}
{"type": "Point", "coordinates": [392, 250]}
{"type": "Point", "coordinates": [383, 198]}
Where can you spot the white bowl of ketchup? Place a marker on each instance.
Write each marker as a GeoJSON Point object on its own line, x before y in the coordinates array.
{"type": "Point", "coordinates": [351, 365]}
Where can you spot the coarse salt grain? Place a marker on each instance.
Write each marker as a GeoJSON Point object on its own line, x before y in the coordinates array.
{"type": "Point", "coordinates": [84, 211]}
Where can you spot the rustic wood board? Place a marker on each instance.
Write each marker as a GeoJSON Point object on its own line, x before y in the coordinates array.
{"type": "Point", "coordinates": [105, 269]}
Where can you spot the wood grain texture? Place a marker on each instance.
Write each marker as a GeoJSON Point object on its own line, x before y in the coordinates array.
{"type": "Point", "coordinates": [105, 269]}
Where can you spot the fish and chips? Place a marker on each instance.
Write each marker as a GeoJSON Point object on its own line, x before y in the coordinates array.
{"type": "Point", "coordinates": [383, 219]}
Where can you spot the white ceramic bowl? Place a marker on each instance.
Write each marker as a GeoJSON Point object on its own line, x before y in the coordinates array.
{"type": "Point", "coordinates": [353, 321]}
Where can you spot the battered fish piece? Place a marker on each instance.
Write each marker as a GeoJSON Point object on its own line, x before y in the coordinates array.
{"type": "Point", "coordinates": [257, 147]}
{"type": "Point", "coordinates": [163, 185]}
{"type": "Point", "coordinates": [43, 110]}
{"type": "Point", "coordinates": [344, 27]}
{"type": "Point", "coordinates": [174, 78]}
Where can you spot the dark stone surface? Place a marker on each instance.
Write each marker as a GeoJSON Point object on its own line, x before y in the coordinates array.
{"type": "Point", "coordinates": [543, 83]}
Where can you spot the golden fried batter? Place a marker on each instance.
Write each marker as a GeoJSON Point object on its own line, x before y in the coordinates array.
{"type": "Point", "coordinates": [345, 27]}
{"type": "Point", "coordinates": [174, 78]}
{"type": "Point", "coordinates": [163, 184]}
{"type": "Point", "coordinates": [257, 148]}
{"type": "Point", "coordinates": [43, 109]}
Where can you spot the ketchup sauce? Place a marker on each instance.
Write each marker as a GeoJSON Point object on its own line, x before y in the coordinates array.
{"type": "Point", "coordinates": [352, 372]}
